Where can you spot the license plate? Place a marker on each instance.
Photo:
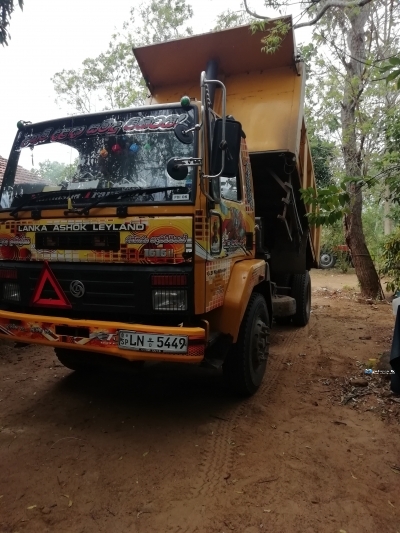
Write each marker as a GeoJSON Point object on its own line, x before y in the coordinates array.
{"type": "Point", "coordinates": [144, 342]}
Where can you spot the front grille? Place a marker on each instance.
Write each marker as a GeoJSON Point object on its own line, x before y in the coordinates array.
{"type": "Point", "coordinates": [82, 240]}
{"type": "Point", "coordinates": [113, 292]}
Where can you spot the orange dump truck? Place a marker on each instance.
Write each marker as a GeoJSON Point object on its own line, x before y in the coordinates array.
{"type": "Point", "coordinates": [179, 233]}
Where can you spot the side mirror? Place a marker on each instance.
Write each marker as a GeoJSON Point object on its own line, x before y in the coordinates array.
{"type": "Point", "coordinates": [183, 135]}
{"type": "Point", "coordinates": [233, 135]}
{"type": "Point", "coordinates": [176, 169]}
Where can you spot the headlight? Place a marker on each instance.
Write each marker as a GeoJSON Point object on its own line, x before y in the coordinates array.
{"type": "Point", "coordinates": [11, 292]}
{"type": "Point", "coordinates": [170, 300]}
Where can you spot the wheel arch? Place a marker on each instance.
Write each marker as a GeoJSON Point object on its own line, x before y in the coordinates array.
{"type": "Point", "coordinates": [247, 276]}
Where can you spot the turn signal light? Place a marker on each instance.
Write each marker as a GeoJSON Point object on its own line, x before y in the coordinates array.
{"type": "Point", "coordinates": [169, 280]}
{"type": "Point", "coordinates": [7, 273]}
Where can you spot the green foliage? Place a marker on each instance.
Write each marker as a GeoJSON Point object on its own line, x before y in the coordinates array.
{"type": "Point", "coordinates": [155, 21]}
{"type": "Point", "coordinates": [372, 220]}
{"type": "Point", "coordinates": [6, 9]}
{"type": "Point", "coordinates": [323, 152]}
{"type": "Point", "coordinates": [329, 205]}
{"type": "Point", "coordinates": [230, 18]}
{"type": "Point", "coordinates": [274, 36]}
{"type": "Point", "coordinates": [387, 166]}
{"type": "Point", "coordinates": [332, 237]}
{"type": "Point", "coordinates": [54, 172]}
{"type": "Point", "coordinates": [392, 69]}
{"type": "Point", "coordinates": [109, 81]}
{"type": "Point", "coordinates": [391, 261]}
{"type": "Point", "coordinates": [113, 80]}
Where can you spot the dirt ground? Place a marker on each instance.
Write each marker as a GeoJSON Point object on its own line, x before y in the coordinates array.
{"type": "Point", "coordinates": [168, 450]}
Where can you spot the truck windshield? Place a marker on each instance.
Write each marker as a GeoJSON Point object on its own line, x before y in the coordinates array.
{"type": "Point", "coordinates": [97, 153]}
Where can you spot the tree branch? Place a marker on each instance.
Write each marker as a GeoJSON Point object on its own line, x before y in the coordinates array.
{"type": "Point", "coordinates": [251, 13]}
{"type": "Point", "coordinates": [332, 3]}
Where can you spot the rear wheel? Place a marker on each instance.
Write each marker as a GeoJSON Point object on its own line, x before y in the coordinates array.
{"type": "Point", "coordinates": [244, 367]}
{"type": "Point", "coordinates": [301, 292]}
{"type": "Point", "coordinates": [327, 260]}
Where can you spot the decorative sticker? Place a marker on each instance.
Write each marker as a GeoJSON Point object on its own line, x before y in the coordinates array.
{"type": "Point", "coordinates": [158, 240]}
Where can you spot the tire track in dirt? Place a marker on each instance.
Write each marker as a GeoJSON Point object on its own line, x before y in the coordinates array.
{"type": "Point", "coordinates": [219, 457]}
{"type": "Point", "coordinates": [280, 353]}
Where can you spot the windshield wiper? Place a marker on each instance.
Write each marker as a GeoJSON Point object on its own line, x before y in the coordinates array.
{"type": "Point", "coordinates": [128, 192]}
{"type": "Point", "coordinates": [29, 202]}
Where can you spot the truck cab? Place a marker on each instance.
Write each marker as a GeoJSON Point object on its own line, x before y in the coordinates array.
{"type": "Point", "coordinates": [178, 233]}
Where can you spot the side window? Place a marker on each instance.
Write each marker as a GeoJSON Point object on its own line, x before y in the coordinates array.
{"type": "Point", "coordinates": [231, 188]}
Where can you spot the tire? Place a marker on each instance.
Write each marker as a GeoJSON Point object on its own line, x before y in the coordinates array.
{"type": "Point", "coordinates": [395, 383]}
{"type": "Point", "coordinates": [244, 366]}
{"type": "Point", "coordinates": [79, 361]}
{"type": "Point", "coordinates": [327, 260]}
{"type": "Point", "coordinates": [301, 292]}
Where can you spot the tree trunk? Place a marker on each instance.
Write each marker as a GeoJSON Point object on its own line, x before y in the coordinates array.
{"type": "Point", "coordinates": [387, 222]}
{"type": "Point", "coordinates": [353, 154]}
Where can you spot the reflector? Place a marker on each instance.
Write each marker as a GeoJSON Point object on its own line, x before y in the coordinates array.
{"type": "Point", "coordinates": [61, 302]}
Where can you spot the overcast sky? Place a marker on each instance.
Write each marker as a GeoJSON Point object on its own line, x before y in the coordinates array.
{"type": "Point", "coordinates": [52, 35]}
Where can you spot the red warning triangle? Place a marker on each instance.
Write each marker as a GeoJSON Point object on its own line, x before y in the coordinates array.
{"type": "Point", "coordinates": [61, 302]}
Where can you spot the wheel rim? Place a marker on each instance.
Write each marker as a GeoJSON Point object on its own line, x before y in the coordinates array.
{"type": "Point", "coordinates": [325, 259]}
{"type": "Point", "coordinates": [259, 344]}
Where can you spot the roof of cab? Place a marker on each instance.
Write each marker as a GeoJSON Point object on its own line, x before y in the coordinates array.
{"type": "Point", "coordinates": [237, 51]}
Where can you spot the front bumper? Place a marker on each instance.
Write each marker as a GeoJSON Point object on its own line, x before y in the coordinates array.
{"type": "Point", "coordinates": [101, 337]}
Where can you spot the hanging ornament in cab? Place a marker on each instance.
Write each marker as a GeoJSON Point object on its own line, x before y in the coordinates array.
{"type": "Point", "coordinates": [116, 149]}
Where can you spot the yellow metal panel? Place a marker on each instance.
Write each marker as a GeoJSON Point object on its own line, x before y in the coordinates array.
{"type": "Point", "coordinates": [267, 104]}
{"type": "Point", "coordinates": [237, 50]}
{"type": "Point", "coordinates": [245, 275]}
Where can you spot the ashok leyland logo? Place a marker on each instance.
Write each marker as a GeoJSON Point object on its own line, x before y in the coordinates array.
{"type": "Point", "coordinates": [77, 288]}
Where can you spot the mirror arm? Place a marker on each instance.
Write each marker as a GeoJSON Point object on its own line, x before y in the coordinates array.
{"type": "Point", "coordinates": [203, 83]}
{"type": "Point", "coordinates": [196, 127]}
{"type": "Point", "coordinates": [203, 190]}
{"type": "Point", "coordinates": [187, 162]}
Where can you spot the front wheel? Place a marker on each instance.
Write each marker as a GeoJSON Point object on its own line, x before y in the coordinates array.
{"type": "Point", "coordinates": [80, 361]}
{"type": "Point", "coordinates": [244, 366]}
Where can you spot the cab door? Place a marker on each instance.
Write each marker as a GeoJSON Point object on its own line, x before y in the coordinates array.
{"type": "Point", "coordinates": [231, 229]}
